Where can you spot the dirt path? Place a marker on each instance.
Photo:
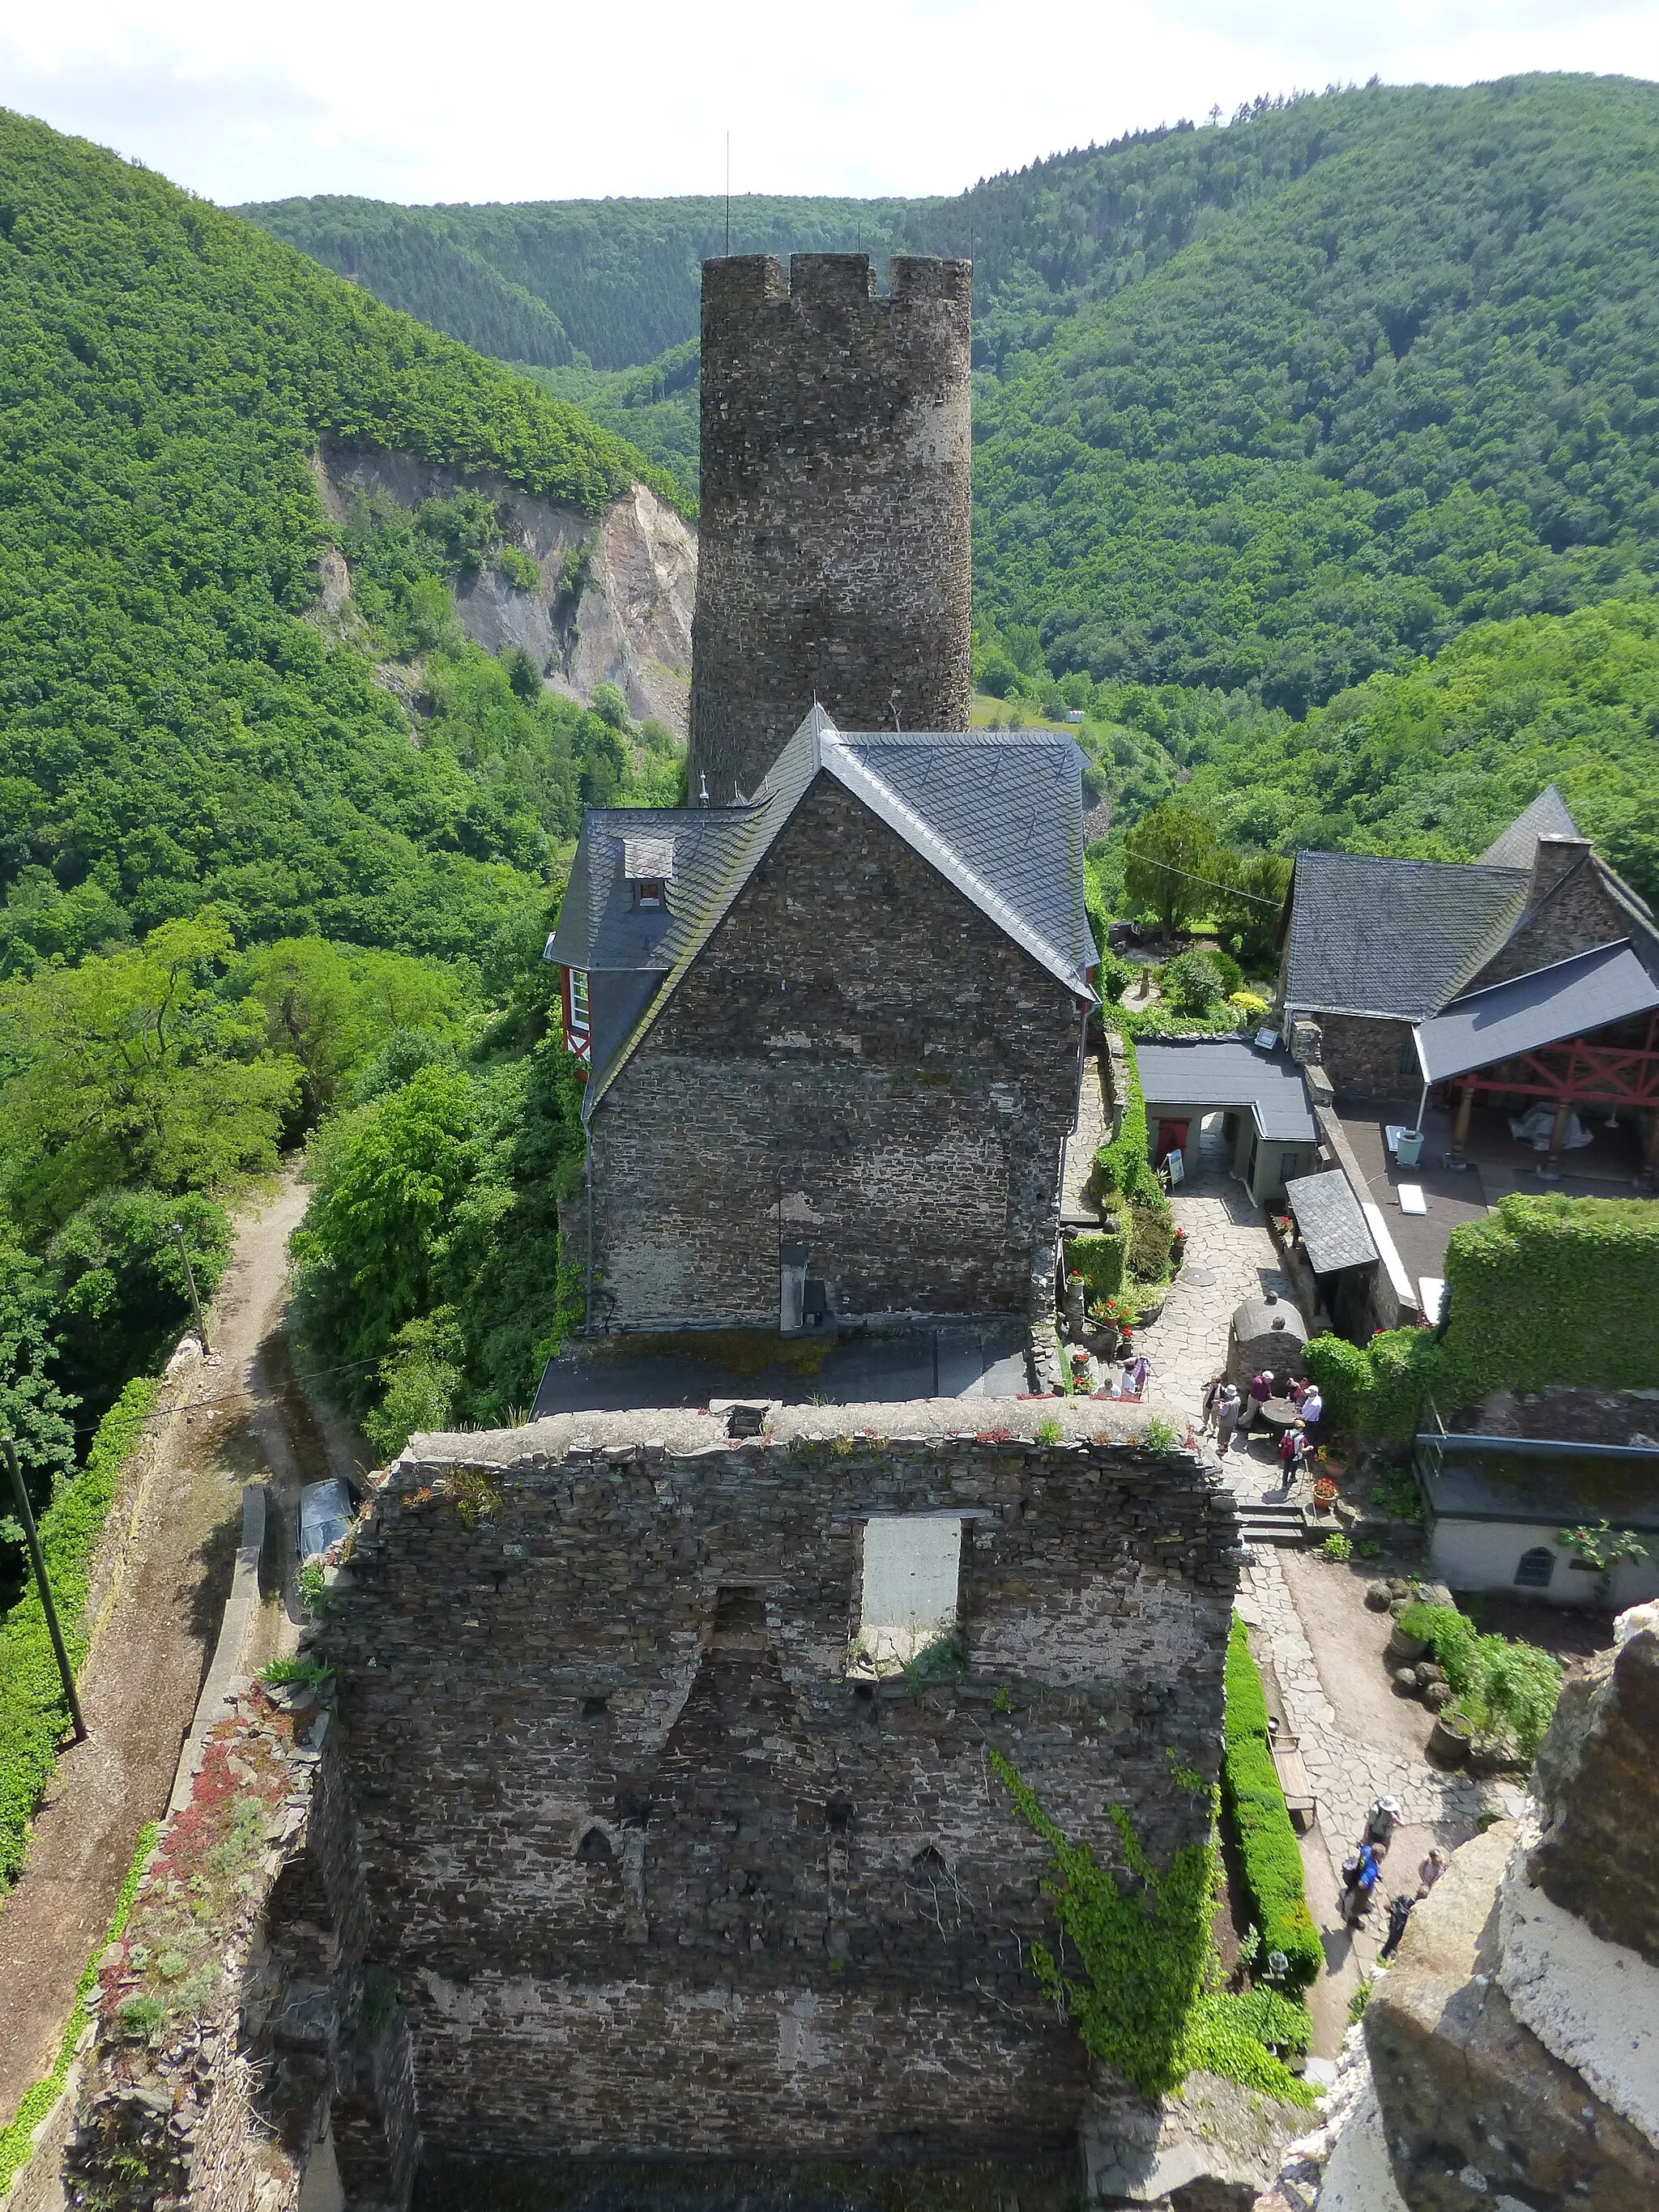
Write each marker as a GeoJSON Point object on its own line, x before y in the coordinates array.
{"type": "Point", "coordinates": [164, 1572]}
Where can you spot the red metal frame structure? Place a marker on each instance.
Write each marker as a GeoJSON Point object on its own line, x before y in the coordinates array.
{"type": "Point", "coordinates": [1580, 1073]}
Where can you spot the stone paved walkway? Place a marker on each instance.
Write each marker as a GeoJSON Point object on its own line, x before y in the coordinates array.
{"type": "Point", "coordinates": [1084, 1143]}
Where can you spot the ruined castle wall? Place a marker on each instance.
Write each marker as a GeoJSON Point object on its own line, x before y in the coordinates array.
{"type": "Point", "coordinates": [833, 553]}
{"type": "Point", "coordinates": [894, 1098]}
{"type": "Point", "coordinates": [653, 1876]}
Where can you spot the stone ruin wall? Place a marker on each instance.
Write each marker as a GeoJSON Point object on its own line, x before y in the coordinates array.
{"type": "Point", "coordinates": [600, 1854]}
{"type": "Point", "coordinates": [834, 551]}
{"type": "Point", "coordinates": [665, 1882]}
{"type": "Point", "coordinates": [905, 1113]}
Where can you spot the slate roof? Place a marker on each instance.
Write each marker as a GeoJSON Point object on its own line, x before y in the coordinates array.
{"type": "Point", "coordinates": [1563, 1000]}
{"type": "Point", "coordinates": [1517, 846]}
{"type": "Point", "coordinates": [1333, 1231]}
{"type": "Point", "coordinates": [1212, 1071]}
{"type": "Point", "coordinates": [998, 813]}
{"type": "Point", "coordinates": [1375, 936]}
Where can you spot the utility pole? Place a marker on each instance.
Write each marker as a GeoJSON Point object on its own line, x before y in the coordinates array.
{"type": "Point", "coordinates": [189, 1276]}
{"type": "Point", "coordinates": [20, 1498]}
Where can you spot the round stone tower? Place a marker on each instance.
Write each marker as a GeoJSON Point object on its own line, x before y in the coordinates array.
{"type": "Point", "coordinates": [833, 554]}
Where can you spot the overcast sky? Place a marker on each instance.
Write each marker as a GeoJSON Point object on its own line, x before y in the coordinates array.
{"type": "Point", "coordinates": [534, 100]}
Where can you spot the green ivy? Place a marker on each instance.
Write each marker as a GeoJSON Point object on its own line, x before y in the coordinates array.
{"type": "Point", "coordinates": [1502, 1687]}
{"type": "Point", "coordinates": [1146, 2004]}
{"type": "Point", "coordinates": [32, 1714]}
{"type": "Point", "coordinates": [38, 2101]}
{"type": "Point", "coordinates": [1269, 1857]}
{"type": "Point", "coordinates": [1100, 1259]}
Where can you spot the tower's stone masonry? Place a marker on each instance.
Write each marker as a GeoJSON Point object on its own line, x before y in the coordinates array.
{"type": "Point", "coordinates": [834, 539]}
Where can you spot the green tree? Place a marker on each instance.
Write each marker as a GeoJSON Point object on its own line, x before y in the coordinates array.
{"type": "Point", "coordinates": [1174, 863]}
{"type": "Point", "coordinates": [132, 1069]}
{"type": "Point", "coordinates": [1248, 911]}
{"type": "Point", "coordinates": [388, 1176]}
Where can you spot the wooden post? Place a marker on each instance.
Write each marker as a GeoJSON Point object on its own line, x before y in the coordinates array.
{"type": "Point", "coordinates": [1552, 1166]}
{"type": "Point", "coordinates": [1650, 1148]}
{"type": "Point", "coordinates": [1465, 1107]}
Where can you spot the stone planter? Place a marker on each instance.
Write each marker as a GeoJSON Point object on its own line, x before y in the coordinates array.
{"type": "Point", "coordinates": [1104, 1341]}
{"type": "Point", "coordinates": [1449, 1739]}
{"type": "Point", "coordinates": [1150, 1313]}
{"type": "Point", "coordinates": [1406, 1650]}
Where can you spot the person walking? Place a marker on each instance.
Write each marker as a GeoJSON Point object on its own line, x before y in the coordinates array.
{"type": "Point", "coordinates": [1212, 1392]}
{"type": "Point", "coordinates": [1430, 1871]}
{"type": "Point", "coordinates": [1226, 1417]}
{"type": "Point", "coordinates": [1399, 1913]}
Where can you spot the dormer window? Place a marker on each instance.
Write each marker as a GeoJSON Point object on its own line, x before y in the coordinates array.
{"type": "Point", "coordinates": [648, 869]}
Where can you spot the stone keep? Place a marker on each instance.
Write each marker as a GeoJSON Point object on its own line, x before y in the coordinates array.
{"type": "Point", "coordinates": [833, 553]}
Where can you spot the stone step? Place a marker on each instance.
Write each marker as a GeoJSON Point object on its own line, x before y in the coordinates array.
{"type": "Point", "coordinates": [1271, 1523]}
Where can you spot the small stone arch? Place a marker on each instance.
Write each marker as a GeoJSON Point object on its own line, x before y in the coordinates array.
{"type": "Point", "coordinates": [1536, 1570]}
{"type": "Point", "coordinates": [595, 1848]}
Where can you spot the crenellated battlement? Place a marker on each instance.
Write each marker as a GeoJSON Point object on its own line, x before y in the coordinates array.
{"type": "Point", "coordinates": [749, 281]}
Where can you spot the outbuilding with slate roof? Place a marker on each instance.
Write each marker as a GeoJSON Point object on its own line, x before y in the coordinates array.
{"type": "Point", "coordinates": [832, 1036]}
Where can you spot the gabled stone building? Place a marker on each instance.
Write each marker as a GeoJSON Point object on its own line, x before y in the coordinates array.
{"type": "Point", "coordinates": [832, 1038]}
{"type": "Point", "coordinates": [1530, 974]}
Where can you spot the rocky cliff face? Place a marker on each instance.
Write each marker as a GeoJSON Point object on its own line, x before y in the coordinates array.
{"type": "Point", "coordinates": [615, 600]}
{"type": "Point", "coordinates": [1514, 2049]}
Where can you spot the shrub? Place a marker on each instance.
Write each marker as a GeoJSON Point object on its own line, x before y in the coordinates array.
{"type": "Point", "coordinates": [1193, 982]}
{"type": "Point", "coordinates": [1113, 976]}
{"type": "Point", "coordinates": [1100, 1260]}
{"type": "Point", "coordinates": [1501, 1688]}
{"type": "Point", "coordinates": [32, 1714]}
{"type": "Point", "coordinates": [1255, 1803]}
{"type": "Point", "coordinates": [1338, 1547]}
{"type": "Point", "coordinates": [1152, 1232]}
{"type": "Point", "coordinates": [1049, 1431]}
{"type": "Point", "coordinates": [520, 570]}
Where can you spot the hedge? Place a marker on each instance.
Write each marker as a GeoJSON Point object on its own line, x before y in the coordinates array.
{"type": "Point", "coordinates": [1123, 1165]}
{"type": "Point", "coordinates": [1100, 1259]}
{"type": "Point", "coordinates": [1269, 1859]}
{"type": "Point", "coordinates": [1545, 1290]}
{"type": "Point", "coordinates": [34, 1717]}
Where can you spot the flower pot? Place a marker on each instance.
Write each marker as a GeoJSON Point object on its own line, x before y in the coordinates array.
{"type": "Point", "coordinates": [1405, 1650]}
{"type": "Point", "coordinates": [1151, 1313]}
{"type": "Point", "coordinates": [1449, 1738]}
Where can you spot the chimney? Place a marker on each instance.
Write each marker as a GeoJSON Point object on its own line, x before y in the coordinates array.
{"type": "Point", "coordinates": [1554, 860]}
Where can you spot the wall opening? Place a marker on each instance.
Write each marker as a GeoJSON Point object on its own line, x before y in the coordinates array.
{"type": "Point", "coordinates": [595, 1850]}
{"type": "Point", "coordinates": [1536, 1570]}
{"type": "Point", "coordinates": [909, 1594]}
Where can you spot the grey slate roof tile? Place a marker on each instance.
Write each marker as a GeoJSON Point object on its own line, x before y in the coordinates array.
{"type": "Point", "coordinates": [1517, 846]}
{"type": "Point", "coordinates": [1375, 936]}
{"type": "Point", "coordinates": [998, 813]}
{"type": "Point", "coordinates": [1214, 1072]}
{"type": "Point", "coordinates": [1542, 1007]}
{"type": "Point", "coordinates": [1333, 1226]}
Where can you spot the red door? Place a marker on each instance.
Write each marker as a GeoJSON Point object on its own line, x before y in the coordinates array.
{"type": "Point", "coordinates": [1171, 1138]}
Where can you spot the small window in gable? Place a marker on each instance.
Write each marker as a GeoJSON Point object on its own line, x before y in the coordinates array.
{"type": "Point", "coordinates": [648, 868]}
{"type": "Point", "coordinates": [579, 998]}
{"type": "Point", "coordinates": [1536, 1570]}
{"type": "Point", "coordinates": [908, 1596]}
{"type": "Point", "coordinates": [648, 891]}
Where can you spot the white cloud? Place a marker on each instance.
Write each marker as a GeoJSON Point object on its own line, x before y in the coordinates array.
{"type": "Point", "coordinates": [527, 102]}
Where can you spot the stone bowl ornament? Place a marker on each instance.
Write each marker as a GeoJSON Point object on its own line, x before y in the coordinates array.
{"type": "Point", "coordinates": [1449, 1739]}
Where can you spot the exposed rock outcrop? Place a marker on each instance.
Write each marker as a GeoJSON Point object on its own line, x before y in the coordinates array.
{"type": "Point", "coordinates": [1474, 2107]}
{"type": "Point", "coordinates": [615, 600]}
{"type": "Point", "coordinates": [1209, 2147]}
{"type": "Point", "coordinates": [1598, 1790]}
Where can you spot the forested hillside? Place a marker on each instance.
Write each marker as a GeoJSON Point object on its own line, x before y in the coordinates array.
{"type": "Point", "coordinates": [261, 860]}
{"type": "Point", "coordinates": [1262, 408]}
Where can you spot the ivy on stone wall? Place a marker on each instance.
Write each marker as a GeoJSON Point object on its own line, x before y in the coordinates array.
{"type": "Point", "coordinates": [1147, 2005]}
{"type": "Point", "coordinates": [1547, 1289]}
{"type": "Point", "coordinates": [1124, 1166]}
{"type": "Point", "coordinates": [1255, 1803]}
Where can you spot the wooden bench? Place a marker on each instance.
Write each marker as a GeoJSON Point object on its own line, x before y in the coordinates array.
{"type": "Point", "coordinates": [1299, 1800]}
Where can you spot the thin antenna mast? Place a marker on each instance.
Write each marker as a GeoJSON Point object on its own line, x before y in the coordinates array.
{"type": "Point", "coordinates": [728, 195]}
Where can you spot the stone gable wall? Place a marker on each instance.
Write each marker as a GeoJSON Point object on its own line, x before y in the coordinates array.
{"type": "Point", "coordinates": [652, 1876]}
{"type": "Point", "coordinates": [862, 1053]}
{"type": "Point", "coordinates": [1362, 1055]}
{"type": "Point", "coordinates": [1577, 916]}
{"type": "Point", "coordinates": [834, 550]}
